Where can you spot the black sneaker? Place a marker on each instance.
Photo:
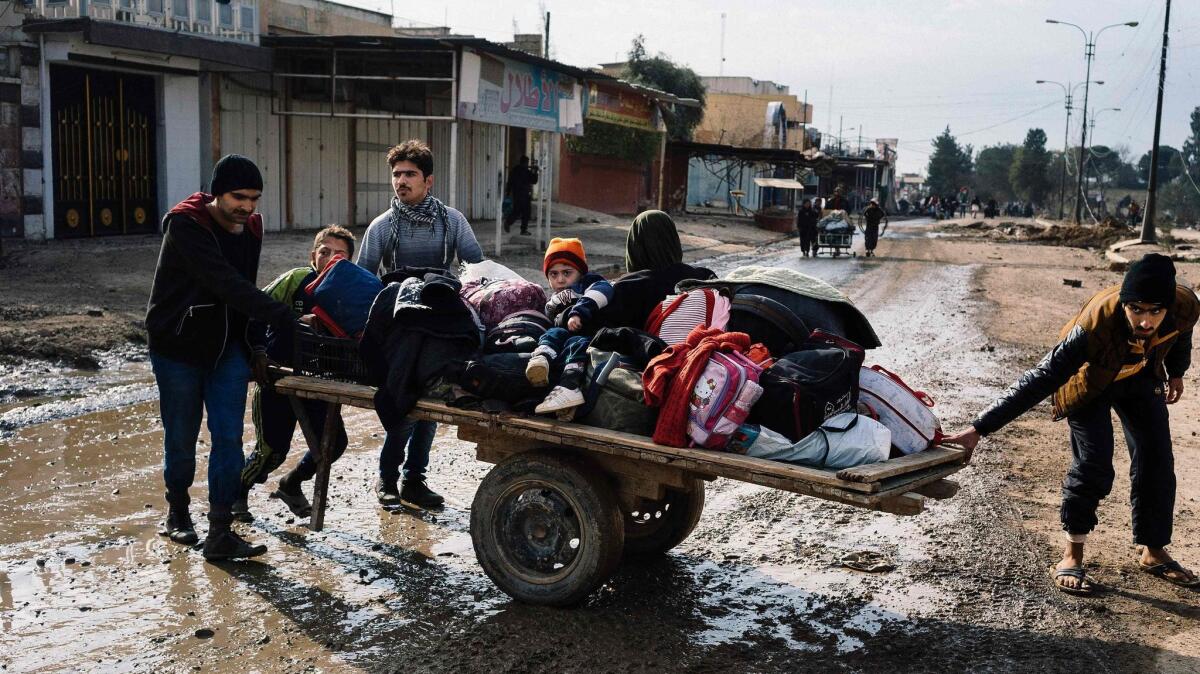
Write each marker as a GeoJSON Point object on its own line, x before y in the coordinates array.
{"type": "Point", "coordinates": [228, 545]}
{"type": "Point", "coordinates": [387, 493]}
{"type": "Point", "coordinates": [179, 527]}
{"type": "Point", "coordinates": [241, 510]}
{"type": "Point", "coordinates": [414, 493]}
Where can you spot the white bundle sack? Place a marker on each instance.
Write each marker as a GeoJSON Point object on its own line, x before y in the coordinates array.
{"type": "Point", "coordinates": [842, 441]}
{"type": "Point", "coordinates": [486, 269]}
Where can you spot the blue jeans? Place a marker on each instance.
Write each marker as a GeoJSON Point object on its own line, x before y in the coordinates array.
{"type": "Point", "coordinates": [185, 392]}
{"type": "Point", "coordinates": [568, 349]}
{"type": "Point", "coordinates": [418, 435]}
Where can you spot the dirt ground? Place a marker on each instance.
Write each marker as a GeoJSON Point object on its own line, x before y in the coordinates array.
{"type": "Point", "coordinates": [85, 584]}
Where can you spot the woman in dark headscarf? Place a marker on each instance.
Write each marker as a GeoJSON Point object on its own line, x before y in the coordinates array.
{"type": "Point", "coordinates": [654, 262]}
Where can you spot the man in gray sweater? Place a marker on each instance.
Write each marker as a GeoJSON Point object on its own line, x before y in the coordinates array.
{"type": "Point", "coordinates": [418, 230]}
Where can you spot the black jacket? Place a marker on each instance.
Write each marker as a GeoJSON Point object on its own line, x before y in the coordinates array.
{"type": "Point", "coordinates": [636, 294]}
{"type": "Point", "coordinates": [1054, 370]}
{"type": "Point", "coordinates": [197, 286]}
{"type": "Point", "coordinates": [411, 342]}
{"type": "Point", "coordinates": [806, 219]}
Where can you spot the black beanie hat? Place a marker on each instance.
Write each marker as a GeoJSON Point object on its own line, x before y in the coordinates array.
{"type": "Point", "coordinates": [235, 172]}
{"type": "Point", "coordinates": [1150, 279]}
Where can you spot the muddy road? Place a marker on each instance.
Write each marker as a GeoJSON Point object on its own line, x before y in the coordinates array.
{"type": "Point", "coordinates": [85, 584]}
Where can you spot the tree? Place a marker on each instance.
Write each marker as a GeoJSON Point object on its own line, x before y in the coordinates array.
{"type": "Point", "coordinates": [1028, 171]}
{"type": "Point", "coordinates": [1170, 166]}
{"type": "Point", "coordinates": [661, 73]}
{"type": "Point", "coordinates": [991, 172]}
{"type": "Point", "coordinates": [949, 165]}
{"type": "Point", "coordinates": [1180, 202]}
{"type": "Point", "coordinates": [1191, 147]}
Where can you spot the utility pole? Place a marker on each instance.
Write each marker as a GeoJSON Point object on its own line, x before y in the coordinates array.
{"type": "Point", "coordinates": [1062, 183]}
{"type": "Point", "coordinates": [1148, 233]}
{"type": "Point", "coordinates": [721, 66]}
{"type": "Point", "coordinates": [546, 47]}
{"type": "Point", "coordinates": [1089, 50]}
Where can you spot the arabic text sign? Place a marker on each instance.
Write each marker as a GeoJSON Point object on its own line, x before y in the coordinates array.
{"type": "Point", "coordinates": [501, 91]}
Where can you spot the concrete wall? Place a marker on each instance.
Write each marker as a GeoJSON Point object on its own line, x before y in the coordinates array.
{"type": "Point", "coordinates": [742, 85]}
{"type": "Point", "coordinates": [318, 17]}
{"type": "Point", "coordinates": [179, 159]}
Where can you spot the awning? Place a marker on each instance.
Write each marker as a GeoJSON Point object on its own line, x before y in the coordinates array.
{"type": "Point", "coordinates": [779, 183]}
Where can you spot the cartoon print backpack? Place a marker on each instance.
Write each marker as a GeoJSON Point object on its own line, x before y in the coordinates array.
{"type": "Point", "coordinates": [674, 317]}
{"type": "Point", "coordinates": [722, 398]}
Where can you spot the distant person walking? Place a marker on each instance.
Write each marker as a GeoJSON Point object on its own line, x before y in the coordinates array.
{"type": "Point", "coordinates": [975, 207]}
{"type": "Point", "coordinates": [806, 227]}
{"type": "Point", "coordinates": [873, 214]}
{"type": "Point", "coordinates": [521, 180]}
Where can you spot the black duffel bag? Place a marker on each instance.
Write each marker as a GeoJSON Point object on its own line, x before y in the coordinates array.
{"type": "Point", "coordinates": [501, 376]}
{"type": "Point", "coordinates": [806, 387]}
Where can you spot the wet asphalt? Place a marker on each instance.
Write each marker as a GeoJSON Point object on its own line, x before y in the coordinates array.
{"type": "Point", "coordinates": [87, 585]}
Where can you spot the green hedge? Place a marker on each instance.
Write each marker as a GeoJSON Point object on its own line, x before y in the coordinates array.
{"type": "Point", "coordinates": [613, 140]}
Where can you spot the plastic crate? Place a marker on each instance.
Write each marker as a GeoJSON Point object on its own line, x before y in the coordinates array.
{"type": "Point", "coordinates": [327, 357]}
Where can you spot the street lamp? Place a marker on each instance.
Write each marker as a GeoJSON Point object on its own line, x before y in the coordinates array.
{"type": "Point", "coordinates": [1068, 94]}
{"type": "Point", "coordinates": [1089, 52]}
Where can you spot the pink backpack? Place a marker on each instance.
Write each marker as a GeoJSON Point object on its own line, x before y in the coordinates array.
{"type": "Point", "coordinates": [722, 399]}
{"type": "Point", "coordinates": [498, 299]}
{"type": "Point", "coordinates": [674, 317]}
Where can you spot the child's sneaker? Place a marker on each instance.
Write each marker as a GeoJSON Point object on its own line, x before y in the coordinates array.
{"type": "Point", "coordinates": [560, 398]}
{"type": "Point", "coordinates": [538, 370]}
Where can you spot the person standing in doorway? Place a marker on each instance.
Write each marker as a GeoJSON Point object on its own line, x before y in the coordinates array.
{"type": "Point", "coordinates": [521, 180]}
{"type": "Point", "coordinates": [418, 230]}
{"type": "Point", "coordinates": [199, 328]}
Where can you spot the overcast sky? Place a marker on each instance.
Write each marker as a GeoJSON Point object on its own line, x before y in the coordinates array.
{"type": "Point", "coordinates": [898, 69]}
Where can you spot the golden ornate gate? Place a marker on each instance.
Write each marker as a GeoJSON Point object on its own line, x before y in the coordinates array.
{"type": "Point", "coordinates": [104, 152]}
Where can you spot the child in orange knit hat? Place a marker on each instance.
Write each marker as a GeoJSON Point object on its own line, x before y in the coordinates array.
{"type": "Point", "coordinates": [577, 297]}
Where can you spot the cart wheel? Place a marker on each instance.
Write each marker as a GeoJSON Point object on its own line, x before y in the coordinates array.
{"type": "Point", "coordinates": [661, 525]}
{"type": "Point", "coordinates": [547, 528]}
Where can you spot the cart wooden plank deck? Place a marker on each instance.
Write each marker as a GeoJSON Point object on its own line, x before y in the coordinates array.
{"type": "Point", "coordinates": [565, 501]}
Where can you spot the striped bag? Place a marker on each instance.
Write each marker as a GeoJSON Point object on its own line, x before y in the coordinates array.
{"type": "Point", "coordinates": [674, 317]}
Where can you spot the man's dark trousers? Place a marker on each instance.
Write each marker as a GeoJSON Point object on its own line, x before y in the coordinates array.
{"type": "Point", "coordinates": [1139, 404]}
{"type": "Point", "coordinates": [275, 424]}
{"type": "Point", "coordinates": [522, 208]}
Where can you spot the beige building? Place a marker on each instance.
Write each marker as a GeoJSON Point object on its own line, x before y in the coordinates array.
{"type": "Point", "coordinates": [741, 120]}
{"type": "Point", "coordinates": [320, 17]}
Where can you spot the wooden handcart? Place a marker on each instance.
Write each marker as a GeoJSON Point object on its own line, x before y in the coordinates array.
{"type": "Point", "coordinates": [565, 502]}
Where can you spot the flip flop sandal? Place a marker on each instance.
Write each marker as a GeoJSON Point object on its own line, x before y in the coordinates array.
{"type": "Point", "coordinates": [868, 561]}
{"type": "Point", "coordinates": [1085, 589]}
{"type": "Point", "coordinates": [1162, 571]}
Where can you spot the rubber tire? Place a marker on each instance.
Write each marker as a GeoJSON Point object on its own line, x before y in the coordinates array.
{"type": "Point", "coordinates": [661, 534]}
{"type": "Point", "coordinates": [597, 510]}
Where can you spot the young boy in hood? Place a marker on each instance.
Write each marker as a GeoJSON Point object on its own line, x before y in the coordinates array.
{"type": "Point", "coordinates": [578, 296]}
{"type": "Point", "coordinates": [1126, 351]}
